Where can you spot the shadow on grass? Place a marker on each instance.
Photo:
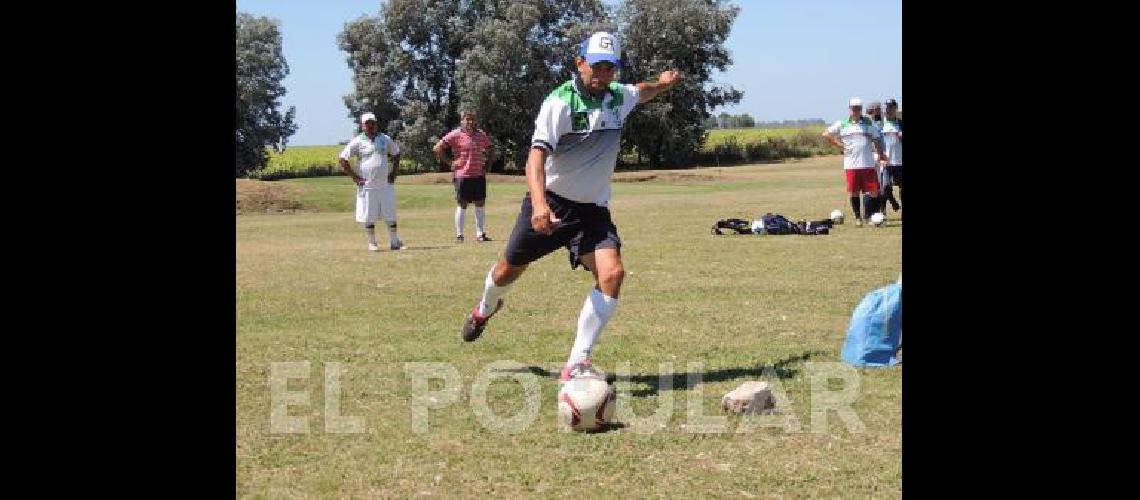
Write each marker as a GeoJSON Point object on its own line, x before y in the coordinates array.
{"type": "Point", "coordinates": [686, 381]}
{"type": "Point", "coordinates": [607, 427]}
{"type": "Point", "coordinates": [414, 248]}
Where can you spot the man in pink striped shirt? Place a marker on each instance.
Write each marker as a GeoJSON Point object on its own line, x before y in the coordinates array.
{"type": "Point", "coordinates": [468, 145]}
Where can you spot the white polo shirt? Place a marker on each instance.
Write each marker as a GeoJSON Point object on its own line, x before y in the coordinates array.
{"type": "Point", "coordinates": [373, 156]}
{"type": "Point", "coordinates": [856, 137]}
{"type": "Point", "coordinates": [892, 141]}
{"type": "Point", "coordinates": [582, 137]}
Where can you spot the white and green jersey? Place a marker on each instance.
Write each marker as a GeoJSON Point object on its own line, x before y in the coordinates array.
{"type": "Point", "coordinates": [582, 136]}
{"type": "Point", "coordinates": [373, 157]}
{"type": "Point", "coordinates": [892, 141]}
{"type": "Point", "coordinates": [856, 137]}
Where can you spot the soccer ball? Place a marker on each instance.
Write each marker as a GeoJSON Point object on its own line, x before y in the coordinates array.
{"type": "Point", "coordinates": [586, 403]}
{"type": "Point", "coordinates": [877, 218]}
{"type": "Point", "coordinates": [757, 227]}
{"type": "Point", "coordinates": [836, 217]}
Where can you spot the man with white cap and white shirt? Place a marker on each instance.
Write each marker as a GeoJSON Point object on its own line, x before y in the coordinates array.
{"type": "Point", "coordinates": [375, 195]}
{"type": "Point", "coordinates": [857, 137]}
{"type": "Point", "coordinates": [875, 111]}
{"type": "Point", "coordinates": [569, 169]}
{"type": "Point", "coordinates": [892, 142]}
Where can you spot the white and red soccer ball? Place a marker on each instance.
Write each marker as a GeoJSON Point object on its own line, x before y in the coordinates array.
{"type": "Point", "coordinates": [586, 403]}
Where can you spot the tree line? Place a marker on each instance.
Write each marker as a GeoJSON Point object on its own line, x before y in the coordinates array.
{"type": "Point", "coordinates": [417, 63]}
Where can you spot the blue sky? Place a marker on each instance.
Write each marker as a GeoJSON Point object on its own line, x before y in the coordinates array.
{"type": "Point", "coordinates": [792, 59]}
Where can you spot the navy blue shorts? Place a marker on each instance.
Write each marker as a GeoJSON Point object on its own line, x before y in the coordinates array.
{"type": "Point", "coordinates": [468, 189]}
{"type": "Point", "coordinates": [585, 227]}
{"type": "Point", "coordinates": [896, 174]}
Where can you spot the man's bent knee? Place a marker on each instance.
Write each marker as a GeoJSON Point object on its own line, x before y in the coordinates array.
{"type": "Point", "coordinates": [506, 273]}
{"type": "Point", "coordinates": [609, 280]}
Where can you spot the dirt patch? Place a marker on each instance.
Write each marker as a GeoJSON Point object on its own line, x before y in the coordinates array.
{"type": "Point", "coordinates": [634, 176]}
{"type": "Point", "coordinates": [261, 197]}
{"type": "Point", "coordinates": [445, 178]}
{"type": "Point", "coordinates": [662, 176]}
{"type": "Point", "coordinates": [666, 176]}
{"type": "Point", "coordinates": [698, 173]}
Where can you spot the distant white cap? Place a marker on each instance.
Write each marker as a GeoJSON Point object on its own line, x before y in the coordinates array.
{"type": "Point", "coordinates": [367, 116]}
{"type": "Point", "coordinates": [855, 101]}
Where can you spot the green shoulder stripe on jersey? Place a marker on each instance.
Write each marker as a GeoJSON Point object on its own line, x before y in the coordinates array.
{"type": "Point", "coordinates": [578, 103]}
{"type": "Point", "coordinates": [564, 92]}
{"type": "Point", "coordinates": [617, 95]}
{"type": "Point", "coordinates": [847, 121]}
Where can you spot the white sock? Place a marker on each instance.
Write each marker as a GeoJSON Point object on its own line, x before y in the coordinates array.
{"type": "Point", "coordinates": [459, 213]}
{"type": "Point", "coordinates": [596, 312]}
{"type": "Point", "coordinates": [491, 294]}
{"type": "Point", "coordinates": [392, 238]}
{"type": "Point", "coordinates": [371, 232]}
{"type": "Point", "coordinates": [480, 217]}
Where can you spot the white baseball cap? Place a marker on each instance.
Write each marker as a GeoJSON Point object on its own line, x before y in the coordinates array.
{"type": "Point", "coordinates": [367, 116]}
{"type": "Point", "coordinates": [602, 46]}
{"type": "Point", "coordinates": [855, 101]}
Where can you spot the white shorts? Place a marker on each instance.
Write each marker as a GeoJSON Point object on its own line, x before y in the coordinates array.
{"type": "Point", "coordinates": [372, 202]}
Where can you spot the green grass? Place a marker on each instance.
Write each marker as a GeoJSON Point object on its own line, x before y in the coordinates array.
{"type": "Point", "coordinates": [307, 290]}
{"type": "Point", "coordinates": [752, 144]}
{"type": "Point", "coordinates": [308, 161]}
{"type": "Point", "coordinates": [297, 157]}
{"type": "Point", "coordinates": [317, 161]}
{"type": "Point", "coordinates": [752, 134]}
{"type": "Point", "coordinates": [336, 194]}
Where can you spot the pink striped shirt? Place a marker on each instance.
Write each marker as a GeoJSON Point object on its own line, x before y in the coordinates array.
{"type": "Point", "coordinates": [468, 149]}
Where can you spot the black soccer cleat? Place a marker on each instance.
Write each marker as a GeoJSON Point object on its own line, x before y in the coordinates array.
{"type": "Point", "coordinates": [473, 324]}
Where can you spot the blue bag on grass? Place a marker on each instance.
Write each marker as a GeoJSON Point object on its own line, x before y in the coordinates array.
{"type": "Point", "coordinates": [875, 332]}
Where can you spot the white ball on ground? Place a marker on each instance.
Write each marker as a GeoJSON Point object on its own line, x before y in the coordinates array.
{"type": "Point", "coordinates": [877, 218]}
{"type": "Point", "coordinates": [836, 217]}
{"type": "Point", "coordinates": [586, 403]}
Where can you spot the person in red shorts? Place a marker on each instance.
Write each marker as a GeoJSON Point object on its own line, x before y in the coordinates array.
{"type": "Point", "coordinates": [859, 138]}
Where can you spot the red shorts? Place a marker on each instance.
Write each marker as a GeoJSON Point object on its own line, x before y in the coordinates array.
{"type": "Point", "coordinates": [863, 179]}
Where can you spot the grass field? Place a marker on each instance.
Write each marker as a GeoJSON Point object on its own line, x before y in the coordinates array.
{"type": "Point", "coordinates": [315, 161]}
{"type": "Point", "coordinates": [296, 157]}
{"type": "Point", "coordinates": [309, 161]}
{"type": "Point", "coordinates": [752, 134]}
{"type": "Point", "coordinates": [694, 305]}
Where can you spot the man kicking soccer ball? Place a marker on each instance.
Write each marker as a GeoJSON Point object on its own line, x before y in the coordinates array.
{"type": "Point", "coordinates": [568, 173]}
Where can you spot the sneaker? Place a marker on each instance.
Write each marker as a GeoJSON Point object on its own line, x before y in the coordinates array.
{"type": "Point", "coordinates": [398, 245]}
{"type": "Point", "coordinates": [459, 239]}
{"type": "Point", "coordinates": [858, 222]}
{"type": "Point", "coordinates": [571, 371]}
{"type": "Point", "coordinates": [372, 247]}
{"type": "Point", "coordinates": [474, 323]}
{"type": "Point", "coordinates": [482, 237]}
